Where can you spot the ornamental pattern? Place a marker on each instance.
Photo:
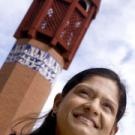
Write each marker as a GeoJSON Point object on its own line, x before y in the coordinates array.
{"type": "Point", "coordinates": [36, 59]}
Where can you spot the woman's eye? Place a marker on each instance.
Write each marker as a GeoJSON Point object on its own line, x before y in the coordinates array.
{"type": "Point", "coordinates": [83, 93]}
{"type": "Point", "coordinates": [107, 107]}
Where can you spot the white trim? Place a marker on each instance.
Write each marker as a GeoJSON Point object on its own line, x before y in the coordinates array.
{"type": "Point", "coordinates": [36, 59]}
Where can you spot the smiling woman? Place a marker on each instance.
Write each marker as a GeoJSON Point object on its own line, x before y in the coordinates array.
{"type": "Point", "coordinates": [91, 103]}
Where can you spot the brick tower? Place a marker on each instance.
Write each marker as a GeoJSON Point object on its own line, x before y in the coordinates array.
{"type": "Point", "coordinates": [46, 42]}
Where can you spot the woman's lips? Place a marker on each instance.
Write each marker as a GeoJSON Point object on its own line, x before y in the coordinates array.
{"type": "Point", "coordinates": [86, 120]}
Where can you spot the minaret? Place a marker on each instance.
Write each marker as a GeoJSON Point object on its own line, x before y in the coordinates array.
{"type": "Point", "coordinates": [46, 42]}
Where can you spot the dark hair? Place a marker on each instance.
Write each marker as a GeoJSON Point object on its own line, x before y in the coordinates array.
{"type": "Point", "coordinates": [49, 124]}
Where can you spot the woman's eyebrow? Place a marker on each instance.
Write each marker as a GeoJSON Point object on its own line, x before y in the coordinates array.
{"type": "Point", "coordinates": [82, 86]}
{"type": "Point", "coordinates": [110, 101]}
{"type": "Point", "coordinates": [85, 86]}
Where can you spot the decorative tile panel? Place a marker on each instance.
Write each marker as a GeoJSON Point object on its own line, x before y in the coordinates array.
{"type": "Point", "coordinates": [36, 59]}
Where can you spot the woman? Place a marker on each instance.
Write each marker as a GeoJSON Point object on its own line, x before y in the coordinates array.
{"type": "Point", "coordinates": [91, 103]}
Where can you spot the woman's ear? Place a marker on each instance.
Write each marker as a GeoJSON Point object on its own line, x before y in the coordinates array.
{"type": "Point", "coordinates": [57, 101]}
{"type": "Point", "coordinates": [114, 130]}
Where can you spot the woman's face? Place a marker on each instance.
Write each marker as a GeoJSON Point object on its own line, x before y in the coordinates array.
{"type": "Point", "coordinates": [90, 108]}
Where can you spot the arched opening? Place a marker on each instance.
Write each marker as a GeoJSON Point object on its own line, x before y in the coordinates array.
{"type": "Point", "coordinates": [85, 4]}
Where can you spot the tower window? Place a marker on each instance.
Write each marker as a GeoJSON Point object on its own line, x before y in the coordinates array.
{"type": "Point", "coordinates": [85, 4]}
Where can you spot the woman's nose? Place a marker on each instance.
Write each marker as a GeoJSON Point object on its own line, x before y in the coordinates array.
{"type": "Point", "coordinates": [92, 107]}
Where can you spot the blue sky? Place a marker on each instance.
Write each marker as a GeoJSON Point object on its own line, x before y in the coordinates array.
{"type": "Point", "coordinates": [109, 42]}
